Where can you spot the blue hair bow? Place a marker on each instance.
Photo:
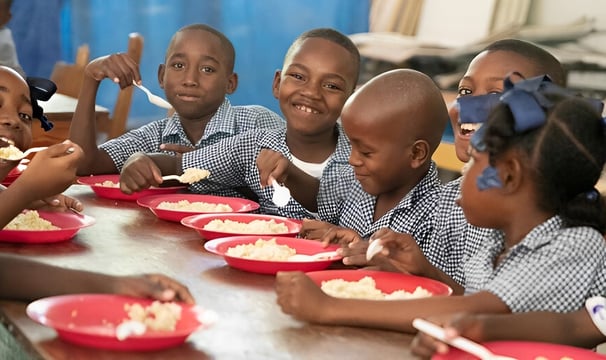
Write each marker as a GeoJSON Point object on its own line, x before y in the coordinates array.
{"type": "Point", "coordinates": [41, 89]}
{"type": "Point", "coordinates": [475, 109]}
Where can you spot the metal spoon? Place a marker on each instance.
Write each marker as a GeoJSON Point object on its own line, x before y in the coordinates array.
{"type": "Point", "coordinates": [281, 195]}
{"type": "Point", "coordinates": [154, 99]}
{"type": "Point", "coordinates": [459, 342]}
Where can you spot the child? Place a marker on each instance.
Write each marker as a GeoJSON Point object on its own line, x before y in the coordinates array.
{"type": "Point", "coordinates": [584, 328]}
{"type": "Point", "coordinates": [39, 280]}
{"type": "Point", "coordinates": [196, 76]}
{"type": "Point", "coordinates": [547, 249]}
{"type": "Point", "coordinates": [8, 51]}
{"type": "Point", "coordinates": [320, 72]}
{"type": "Point", "coordinates": [394, 123]}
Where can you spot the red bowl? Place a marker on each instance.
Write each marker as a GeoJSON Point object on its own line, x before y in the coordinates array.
{"type": "Point", "coordinates": [15, 173]}
{"type": "Point", "coordinates": [302, 246]}
{"type": "Point", "coordinates": [116, 194]}
{"type": "Point", "coordinates": [91, 320]}
{"type": "Point", "coordinates": [238, 205]}
{"type": "Point", "coordinates": [525, 350]}
{"type": "Point", "coordinates": [69, 224]}
{"type": "Point", "coordinates": [387, 282]}
{"type": "Point", "coordinates": [198, 222]}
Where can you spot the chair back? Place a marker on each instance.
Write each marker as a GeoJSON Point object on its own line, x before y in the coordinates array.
{"type": "Point", "coordinates": [68, 77]}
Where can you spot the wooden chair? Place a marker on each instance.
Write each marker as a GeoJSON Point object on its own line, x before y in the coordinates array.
{"type": "Point", "coordinates": [68, 77]}
{"type": "Point", "coordinates": [119, 115]}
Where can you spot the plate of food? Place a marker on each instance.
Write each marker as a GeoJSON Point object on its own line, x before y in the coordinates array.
{"type": "Point", "coordinates": [270, 254]}
{"type": "Point", "coordinates": [174, 207]}
{"type": "Point", "coordinates": [526, 350]}
{"type": "Point", "coordinates": [212, 226]}
{"type": "Point", "coordinates": [377, 285]}
{"type": "Point", "coordinates": [108, 186]}
{"type": "Point", "coordinates": [15, 172]}
{"type": "Point", "coordinates": [117, 322]}
{"type": "Point", "coordinates": [37, 227]}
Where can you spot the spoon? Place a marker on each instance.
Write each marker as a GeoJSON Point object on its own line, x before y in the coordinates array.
{"type": "Point", "coordinates": [189, 176]}
{"type": "Point", "coordinates": [319, 256]}
{"type": "Point", "coordinates": [11, 152]}
{"type": "Point", "coordinates": [281, 195]}
{"type": "Point", "coordinates": [154, 99]}
{"type": "Point", "coordinates": [459, 342]}
{"type": "Point", "coordinates": [373, 249]}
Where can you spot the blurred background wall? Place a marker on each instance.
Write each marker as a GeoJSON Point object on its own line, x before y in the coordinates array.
{"type": "Point", "coordinates": [261, 30]}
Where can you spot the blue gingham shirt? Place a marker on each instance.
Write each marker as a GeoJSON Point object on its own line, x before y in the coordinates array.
{"type": "Point", "coordinates": [232, 163]}
{"type": "Point", "coordinates": [412, 214]}
{"type": "Point", "coordinates": [552, 269]}
{"type": "Point", "coordinates": [228, 121]}
{"type": "Point", "coordinates": [454, 238]}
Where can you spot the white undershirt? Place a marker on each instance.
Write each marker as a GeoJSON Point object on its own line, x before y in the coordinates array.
{"type": "Point", "coordinates": [312, 169]}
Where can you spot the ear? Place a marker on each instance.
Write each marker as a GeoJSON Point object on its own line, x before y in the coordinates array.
{"type": "Point", "coordinates": [161, 70]}
{"type": "Point", "coordinates": [232, 83]}
{"type": "Point", "coordinates": [276, 83]}
{"type": "Point", "coordinates": [511, 171]}
{"type": "Point", "coordinates": [419, 153]}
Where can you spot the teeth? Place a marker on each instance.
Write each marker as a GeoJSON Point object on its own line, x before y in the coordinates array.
{"type": "Point", "coordinates": [307, 109]}
{"type": "Point", "coordinates": [470, 126]}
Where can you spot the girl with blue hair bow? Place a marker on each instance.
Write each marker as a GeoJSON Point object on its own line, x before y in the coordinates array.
{"type": "Point", "coordinates": [531, 181]}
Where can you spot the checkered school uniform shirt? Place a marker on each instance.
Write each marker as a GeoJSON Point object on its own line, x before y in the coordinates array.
{"type": "Point", "coordinates": [552, 269]}
{"type": "Point", "coordinates": [228, 121]}
{"type": "Point", "coordinates": [232, 162]}
{"type": "Point", "coordinates": [412, 214]}
{"type": "Point", "coordinates": [454, 238]}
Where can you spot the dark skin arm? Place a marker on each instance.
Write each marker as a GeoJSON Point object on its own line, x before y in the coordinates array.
{"type": "Point", "coordinates": [303, 188]}
{"type": "Point", "coordinates": [141, 170]}
{"type": "Point", "coordinates": [300, 297]}
{"type": "Point", "coordinates": [121, 69]}
{"type": "Point", "coordinates": [574, 328]}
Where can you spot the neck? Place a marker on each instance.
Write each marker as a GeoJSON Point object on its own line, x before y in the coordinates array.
{"type": "Point", "coordinates": [194, 128]}
{"type": "Point", "coordinates": [312, 148]}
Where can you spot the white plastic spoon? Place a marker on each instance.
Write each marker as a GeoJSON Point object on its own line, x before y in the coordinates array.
{"type": "Point", "coordinates": [319, 256]}
{"type": "Point", "coordinates": [281, 195]}
{"type": "Point", "coordinates": [13, 153]}
{"type": "Point", "coordinates": [374, 247]}
{"type": "Point", "coordinates": [154, 99]}
{"type": "Point", "coordinates": [459, 342]}
{"type": "Point", "coordinates": [189, 176]}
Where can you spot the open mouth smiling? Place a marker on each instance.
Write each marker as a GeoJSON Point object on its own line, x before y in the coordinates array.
{"type": "Point", "coordinates": [467, 129]}
{"type": "Point", "coordinates": [306, 109]}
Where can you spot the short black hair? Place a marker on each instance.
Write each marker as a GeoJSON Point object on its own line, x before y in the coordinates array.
{"type": "Point", "coordinates": [545, 62]}
{"type": "Point", "coordinates": [228, 46]}
{"type": "Point", "coordinates": [331, 35]}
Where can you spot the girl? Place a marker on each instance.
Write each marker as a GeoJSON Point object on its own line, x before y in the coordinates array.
{"type": "Point", "coordinates": [547, 249]}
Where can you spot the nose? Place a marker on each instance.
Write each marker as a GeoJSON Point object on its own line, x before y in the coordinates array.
{"type": "Point", "coordinates": [354, 158]}
{"type": "Point", "coordinates": [312, 89]}
{"type": "Point", "coordinates": [9, 121]}
{"type": "Point", "coordinates": [190, 78]}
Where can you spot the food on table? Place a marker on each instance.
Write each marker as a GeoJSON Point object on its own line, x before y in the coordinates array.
{"type": "Point", "coordinates": [193, 175]}
{"type": "Point", "coordinates": [365, 288]}
{"type": "Point", "coordinates": [253, 227]}
{"type": "Point", "coordinates": [158, 316]}
{"type": "Point", "coordinates": [108, 183]}
{"type": "Point", "coordinates": [185, 205]}
{"type": "Point", "coordinates": [30, 220]}
{"type": "Point", "coordinates": [262, 250]}
{"type": "Point", "coordinates": [10, 152]}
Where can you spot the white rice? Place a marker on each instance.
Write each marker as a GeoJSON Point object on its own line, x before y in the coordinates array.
{"type": "Point", "coordinates": [185, 205]}
{"type": "Point", "coordinates": [108, 183]}
{"type": "Point", "coordinates": [262, 250]}
{"type": "Point", "coordinates": [30, 220]}
{"type": "Point", "coordinates": [254, 227]}
{"type": "Point", "coordinates": [365, 288]}
{"type": "Point", "coordinates": [157, 316]}
{"type": "Point", "coordinates": [193, 175]}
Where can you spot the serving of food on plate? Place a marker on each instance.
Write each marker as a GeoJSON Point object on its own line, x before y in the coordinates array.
{"type": "Point", "coordinates": [212, 226]}
{"type": "Point", "coordinates": [36, 227]}
{"type": "Point", "coordinates": [108, 186]}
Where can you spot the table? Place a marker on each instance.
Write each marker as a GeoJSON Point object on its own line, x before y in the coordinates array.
{"type": "Point", "coordinates": [129, 239]}
{"type": "Point", "coordinates": [60, 110]}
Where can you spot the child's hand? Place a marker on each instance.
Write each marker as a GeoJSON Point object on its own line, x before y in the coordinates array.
{"type": "Point", "coordinates": [340, 235]}
{"type": "Point", "coordinates": [400, 253]}
{"type": "Point", "coordinates": [57, 203]}
{"type": "Point", "coordinates": [138, 173]}
{"type": "Point", "coordinates": [179, 149]}
{"type": "Point", "coordinates": [272, 164]}
{"type": "Point", "coordinates": [468, 325]}
{"type": "Point", "coordinates": [51, 171]}
{"type": "Point", "coordinates": [300, 297]}
{"type": "Point", "coordinates": [355, 252]}
{"type": "Point", "coordinates": [120, 68]}
{"type": "Point", "coordinates": [314, 229]}
{"type": "Point", "coordinates": [153, 286]}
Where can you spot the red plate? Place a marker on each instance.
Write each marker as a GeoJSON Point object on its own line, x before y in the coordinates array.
{"type": "Point", "coordinates": [68, 222]}
{"type": "Point", "coordinates": [523, 350]}
{"type": "Point", "coordinates": [91, 320]}
{"type": "Point", "coordinates": [116, 194]}
{"type": "Point", "coordinates": [387, 282]}
{"type": "Point", "coordinates": [302, 246]}
{"type": "Point", "coordinates": [238, 205]}
{"type": "Point", "coordinates": [198, 222]}
{"type": "Point", "coordinates": [14, 173]}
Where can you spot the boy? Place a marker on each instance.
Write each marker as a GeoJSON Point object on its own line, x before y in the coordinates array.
{"type": "Point", "coordinates": [320, 72]}
{"type": "Point", "coordinates": [196, 76]}
{"type": "Point", "coordinates": [36, 280]}
{"type": "Point", "coordinates": [8, 51]}
{"type": "Point", "coordinates": [394, 123]}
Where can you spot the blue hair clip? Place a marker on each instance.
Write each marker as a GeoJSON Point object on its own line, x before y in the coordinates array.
{"type": "Point", "coordinates": [488, 179]}
{"type": "Point", "coordinates": [41, 89]}
{"type": "Point", "coordinates": [475, 109]}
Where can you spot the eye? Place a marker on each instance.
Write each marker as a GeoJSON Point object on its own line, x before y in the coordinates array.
{"type": "Point", "coordinates": [178, 65]}
{"type": "Point", "coordinates": [25, 117]}
{"type": "Point", "coordinates": [332, 86]}
{"type": "Point", "coordinates": [464, 91]}
{"type": "Point", "coordinates": [295, 76]}
{"type": "Point", "coordinates": [207, 69]}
